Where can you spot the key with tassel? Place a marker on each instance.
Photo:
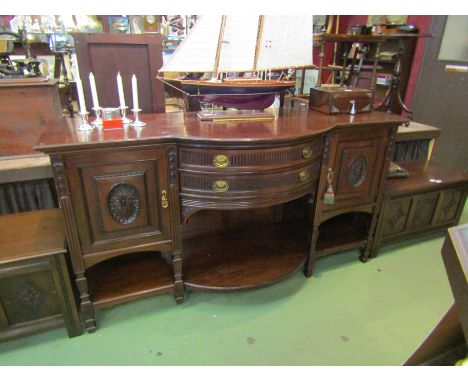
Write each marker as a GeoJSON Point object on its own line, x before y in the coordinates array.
{"type": "Point", "coordinates": [329, 196]}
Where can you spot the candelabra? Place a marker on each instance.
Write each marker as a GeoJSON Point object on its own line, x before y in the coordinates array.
{"type": "Point", "coordinates": [137, 122]}
{"type": "Point", "coordinates": [84, 125]}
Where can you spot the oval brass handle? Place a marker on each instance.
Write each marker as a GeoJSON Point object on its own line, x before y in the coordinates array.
{"type": "Point", "coordinates": [220, 185]}
{"type": "Point", "coordinates": [304, 175]}
{"type": "Point", "coordinates": [164, 201]}
{"type": "Point", "coordinates": [221, 161]}
{"type": "Point", "coordinates": [307, 152]}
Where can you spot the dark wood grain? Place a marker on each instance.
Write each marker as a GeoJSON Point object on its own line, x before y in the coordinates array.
{"type": "Point", "coordinates": [25, 110]}
{"type": "Point", "coordinates": [21, 233]}
{"type": "Point", "coordinates": [105, 54]}
{"type": "Point", "coordinates": [421, 173]}
{"type": "Point", "coordinates": [292, 125]}
{"type": "Point", "coordinates": [128, 277]}
{"type": "Point", "coordinates": [246, 258]}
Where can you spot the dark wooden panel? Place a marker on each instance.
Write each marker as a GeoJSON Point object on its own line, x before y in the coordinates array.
{"type": "Point", "coordinates": [357, 158]}
{"type": "Point", "coordinates": [106, 54]}
{"type": "Point", "coordinates": [422, 211]}
{"type": "Point", "coordinates": [25, 110]}
{"type": "Point", "coordinates": [395, 215]}
{"type": "Point", "coordinates": [118, 198]}
{"type": "Point", "coordinates": [30, 294]}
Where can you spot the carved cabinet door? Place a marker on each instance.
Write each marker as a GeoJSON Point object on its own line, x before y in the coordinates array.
{"type": "Point", "coordinates": [120, 198]}
{"type": "Point", "coordinates": [356, 161]}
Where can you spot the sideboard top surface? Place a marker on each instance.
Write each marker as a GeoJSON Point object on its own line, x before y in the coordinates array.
{"type": "Point", "coordinates": [289, 125]}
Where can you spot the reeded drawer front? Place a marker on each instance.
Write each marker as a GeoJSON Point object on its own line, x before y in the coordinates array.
{"type": "Point", "coordinates": [225, 184]}
{"type": "Point", "coordinates": [212, 159]}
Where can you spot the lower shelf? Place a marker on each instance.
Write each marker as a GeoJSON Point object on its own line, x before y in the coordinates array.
{"type": "Point", "coordinates": [127, 277]}
{"type": "Point", "coordinates": [245, 259]}
{"type": "Point", "coordinates": [339, 234]}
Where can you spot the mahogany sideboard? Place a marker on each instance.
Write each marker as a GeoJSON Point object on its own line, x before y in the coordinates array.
{"type": "Point", "coordinates": [188, 205]}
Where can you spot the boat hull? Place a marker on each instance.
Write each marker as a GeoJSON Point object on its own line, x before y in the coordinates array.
{"type": "Point", "coordinates": [239, 94]}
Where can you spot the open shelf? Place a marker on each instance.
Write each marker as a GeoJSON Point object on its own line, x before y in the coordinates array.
{"type": "Point", "coordinates": [128, 277]}
{"type": "Point", "coordinates": [340, 233]}
{"type": "Point", "coordinates": [246, 258]}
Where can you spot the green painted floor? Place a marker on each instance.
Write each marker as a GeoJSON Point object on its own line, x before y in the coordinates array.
{"type": "Point", "coordinates": [349, 313]}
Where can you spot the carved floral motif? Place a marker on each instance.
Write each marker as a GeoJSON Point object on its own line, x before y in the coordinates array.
{"type": "Point", "coordinates": [124, 203]}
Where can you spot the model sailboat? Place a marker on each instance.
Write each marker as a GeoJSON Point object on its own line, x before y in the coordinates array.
{"type": "Point", "coordinates": [241, 58]}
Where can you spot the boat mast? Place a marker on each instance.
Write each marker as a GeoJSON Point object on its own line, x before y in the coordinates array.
{"type": "Point", "coordinates": [261, 21]}
{"type": "Point", "coordinates": [218, 49]}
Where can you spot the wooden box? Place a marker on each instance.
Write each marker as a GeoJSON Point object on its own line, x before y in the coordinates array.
{"type": "Point", "coordinates": [338, 100]}
{"type": "Point", "coordinates": [35, 289]}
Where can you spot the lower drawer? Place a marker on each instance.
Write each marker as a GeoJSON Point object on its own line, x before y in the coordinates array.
{"type": "Point", "coordinates": [261, 188]}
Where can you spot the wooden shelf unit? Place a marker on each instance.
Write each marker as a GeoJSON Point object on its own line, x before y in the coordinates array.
{"type": "Point", "coordinates": [246, 258]}
{"type": "Point", "coordinates": [340, 233]}
{"type": "Point", "coordinates": [127, 277]}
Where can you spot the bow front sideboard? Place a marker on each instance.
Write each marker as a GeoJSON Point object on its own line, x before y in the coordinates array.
{"type": "Point", "coordinates": [183, 204]}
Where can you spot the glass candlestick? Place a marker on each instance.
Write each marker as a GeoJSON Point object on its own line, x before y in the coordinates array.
{"type": "Point", "coordinates": [137, 122]}
{"type": "Point", "coordinates": [98, 121]}
{"type": "Point", "coordinates": [84, 125]}
{"type": "Point", "coordinates": [123, 113]}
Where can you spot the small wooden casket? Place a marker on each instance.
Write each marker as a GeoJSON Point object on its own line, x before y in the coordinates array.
{"type": "Point", "coordinates": [338, 100]}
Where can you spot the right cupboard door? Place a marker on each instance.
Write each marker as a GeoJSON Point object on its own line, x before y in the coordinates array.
{"type": "Point", "coordinates": [355, 166]}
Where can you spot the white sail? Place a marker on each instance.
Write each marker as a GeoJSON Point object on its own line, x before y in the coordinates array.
{"type": "Point", "coordinates": [197, 53]}
{"type": "Point", "coordinates": [238, 44]}
{"type": "Point", "coordinates": [286, 42]}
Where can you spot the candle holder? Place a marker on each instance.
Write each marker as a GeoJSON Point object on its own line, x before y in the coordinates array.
{"type": "Point", "coordinates": [123, 113]}
{"type": "Point", "coordinates": [84, 125]}
{"type": "Point", "coordinates": [98, 120]}
{"type": "Point", "coordinates": [137, 122]}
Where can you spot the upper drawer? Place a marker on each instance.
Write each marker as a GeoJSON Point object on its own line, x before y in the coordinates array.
{"type": "Point", "coordinates": [214, 159]}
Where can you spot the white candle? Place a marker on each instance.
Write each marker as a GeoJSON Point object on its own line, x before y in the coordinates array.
{"type": "Point", "coordinates": [135, 93]}
{"type": "Point", "coordinates": [81, 99]}
{"type": "Point", "coordinates": [120, 89]}
{"type": "Point", "coordinates": [92, 82]}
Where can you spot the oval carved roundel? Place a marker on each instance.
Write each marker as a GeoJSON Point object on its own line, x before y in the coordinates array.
{"type": "Point", "coordinates": [124, 203]}
{"type": "Point", "coordinates": [357, 171]}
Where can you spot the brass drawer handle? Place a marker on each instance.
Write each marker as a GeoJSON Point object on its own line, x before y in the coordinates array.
{"type": "Point", "coordinates": [304, 175]}
{"type": "Point", "coordinates": [220, 185]}
{"type": "Point", "coordinates": [164, 201]}
{"type": "Point", "coordinates": [307, 152]}
{"type": "Point", "coordinates": [221, 161]}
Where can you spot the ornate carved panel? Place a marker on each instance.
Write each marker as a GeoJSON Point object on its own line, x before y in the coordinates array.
{"type": "Point", "coordinates": [395, 215]}
{"type": "Point", "coordinates": [449, 205]}
{"type": "Point", "coordinates": [124, 203]}
{"type": "Point", "coordinates": [28, 297]}
{"type": "Point", "coordinates": [357, 171]}
{"type": "Point", "coordinates": [423, 211]}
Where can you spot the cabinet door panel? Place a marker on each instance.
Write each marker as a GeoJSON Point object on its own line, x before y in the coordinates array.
{"type": "Point", "coordinates": [422, 211]}
{"type": "Point", "coordinates": [357, 160]}
{"type": "Point", "coordinates": [117, 198]}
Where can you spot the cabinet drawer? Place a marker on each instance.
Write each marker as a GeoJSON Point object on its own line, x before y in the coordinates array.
{"type": "Point", "coordinates": [225, 188]}
{"type": "Point", "coordinates": [214, 159]}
